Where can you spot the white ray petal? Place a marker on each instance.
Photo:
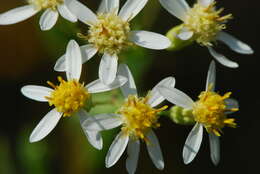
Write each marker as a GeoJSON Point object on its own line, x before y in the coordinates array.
{"type": "Point", "coordinates": [116, 149]}
{"type": "Point", "coordinates": [108, 68]}
{"type": "Point", "coordinates": [131, 8]}
{"type": "Point", "coordinates": [149, 40]}
{"type": "Point", "coordinates": [38, 93]}
{"type": "Point", "coordinates": [155, 97]}
{"type": "Point", "coordinates": [73, 61]}
{"type": "Point", "coordinates": [154, 150]}
{"type": "Point", "coordinates": [48, 19]}
{"type": "Point", "coordinates": [102, 7]}
{"type": "Point", "coordinates": [109, 6]}
{"type": "Point", "coordinates": [214, 148]}
{"type": "Point", "coordinates": [222, 59]}
{"type": "Point", "coordinates": [211, 77]}
{"type": "Point", "coordinates": [46, 125]}
{"type": "Point", "coordinates": [133, 150]}
{"type": "Point", "coordinates": [17, 15]}
{"type": "Point", "coordinates": [177, 8]}
{"type": "Point", "coordinates": [185, 34]}
{"type": "Point", "coordinates": [129, 87]}
{"type": "Point", "coordinates": [66, 13]}
{"type": "Point", "coordinates": [235, 44]}
{"type": "Point", "coordinates": [205, 3]}
{"type": "Point", "coordinates": [192, 144]}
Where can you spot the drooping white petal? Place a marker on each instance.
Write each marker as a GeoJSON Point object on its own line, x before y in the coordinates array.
{"type": "Point", "coordinates": [235, 44]}
{"type": "Point", "coordinates": [83, 13]}
{"type": "Point", "coordinates": [17, 15]}
{"type": "Point", "coordinates": [177, 8]}
{"type": "Point", "coordinates": [66, 13]}
{"type": "Point", "coordinates": [175, 96]}
{"type": "Point", "coordinates": [155, 97]}
{"type": "Point", "coordinates": [97, 86]}
{"type": "Point", "coordinates": [214, 148]}
{"type": "Point", "coordinates": [211, 77]}
{"type": "Point", "coordinates": [192, 144]}
{"type": "Point", "coordinates": [102, 122]}
{"type": "Point", "coordinates": [108, 68]}
{"type": "Point", "coordinates": [185, 34]}
{"type": "Point", "coordinates": [222, 59]}
{"type": "Point", "coordinates": [116, 149]}
{"type": "Point", "coordinates": [73, 61]}
{"type": "Point", "coordinates": [46, 125]}
{"type": "Point", "coordinates": [129, 87]}
{"type": "Point", "coordinates": [231, 104]}
{"type": "Point", "coordinates": [154, 150]}
{"type": "Point", "coordinates": [108, 6]}
{"type": "Point", "coordinates": [131, 8]}
{"type": "Point", "coordinates": [149, 40]}
{"type": "Point", "coordinates": [48, 19]}
{"type": "Point", "coordinates": [133, 149]}
{"type": "Point", "coordinates": [38, 93]}
{"type": "Point", "coordinates": [205, 3]}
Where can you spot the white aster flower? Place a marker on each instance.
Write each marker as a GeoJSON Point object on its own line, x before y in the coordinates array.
{"type": "Point", "coordinates": [52, 9]}
{"type": "Point", "coordinates": [204, 24]}
{"type": "Point", "coordinates": [209, 111]}
{"type": "Point", "coordinates": [109, 33]}
{"type": "Point", "coordinates": [137, 117]}
{"type": "Point", "coordinates": [69, 97]}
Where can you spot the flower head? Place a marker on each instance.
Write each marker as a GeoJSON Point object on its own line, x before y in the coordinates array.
{"type": "Point", "coordinates": [45, 4]}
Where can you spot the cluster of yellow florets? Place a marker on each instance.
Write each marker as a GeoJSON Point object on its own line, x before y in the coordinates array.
{"type": "Point", "coordinates": [44, 4]}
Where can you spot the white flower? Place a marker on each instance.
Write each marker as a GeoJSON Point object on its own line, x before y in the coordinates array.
{"type": "Point", "coordinates": [69, 97]}
{"type": "Point", "coordinates": [210, 111]}
{"type": "Point", "coordinates": [109, 33]}
{"type": "Point", "coordinates": [51, 8]}
{"type": "Point", "coordinates": [204, 24]}
{"type": "Point", "coordinates": [137, 116]}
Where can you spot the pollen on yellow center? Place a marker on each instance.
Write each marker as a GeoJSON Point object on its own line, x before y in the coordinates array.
{"type": "Point", "coordinates": [210, 110]}
{"type": "Point", "coordinates": [109, 35]}
{"type": "Point", "coordinates": [138, 116]}
{"type": "Point", "coordinates": [205, 22]}
{"type": "Point", "coordinates": [44, 4]}
{"type": "Point", "coordinates": [68, 97]}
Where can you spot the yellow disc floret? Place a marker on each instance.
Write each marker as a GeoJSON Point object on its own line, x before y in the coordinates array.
{"type": "Point", "coordinates": [44, 4]}
{"type": "Point", "coordinates": [138, 116]}
{"type": "Point", "coordinates": [210, 110]}
{"type": "Point", "coordinates": [110, 34]}
{"type": "Point", "coordinates": [68, 97]}
{"type": "Point", "coordinates": [205, 22]}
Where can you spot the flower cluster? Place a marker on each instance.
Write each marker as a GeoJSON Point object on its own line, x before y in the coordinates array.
{"type": "Point", "coordinates": [108, 32]}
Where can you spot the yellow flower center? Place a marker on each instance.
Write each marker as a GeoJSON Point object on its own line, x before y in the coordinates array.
{"type": "Point", "coordinates": [44, 4]}
{"type": "Point", "coordinates": [139, 117]}
{"type": "Point", "coordinates": [206, 23]}
{"type": "Point", "coordinates": [68, 97]}
{"type": "Point", "coordinates": [109, 35]}
{"type": "Point", "coordinates": [210, 110]}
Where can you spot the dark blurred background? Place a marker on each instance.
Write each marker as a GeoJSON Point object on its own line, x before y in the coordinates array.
{"type": "Point", "coordinates": [28, 56]}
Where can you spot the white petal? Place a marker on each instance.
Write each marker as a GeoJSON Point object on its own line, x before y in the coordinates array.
{"type": "Point", "coordinates": [205, 3]}
{"type": "Point", "coordinates": [97, 86]}
{"type": "Point", "coordinates": [102, 7]}
{"type": "Point", "coordinates": [66, 14]}
{"type": "Point", "coordinates": [108, 68]}
{"type": "Point", "coordinates": [211, 77]}
{"type": "Point", "coordinates": [46, 125]}
{"type": "Point", "coordinates": [235, 44]}
{"type": "Point", "coordinates": [214, 148]}
{"type": "Point", "coordinates": [73, 61]}
{"type": "Point", "coordinates": [38, 93]}
{"type": "Point", "coordinates": [48, 19]}
{"type": "Point", "coordinates": [177, 8]}
{"type": "Point", "coordinates": [129, 87]}
{"type": "Point", "coordinates": [102, 122]}
{"type": "Point", "coordinates": [116, 149]}
{"type": "Point", "coordinates": [133, 150]}
{"type": "Point", "coordinates": [83, 13]}
{"type": "Point", "coordinates": [175, 96]}
{"type": "Point", "coordinates": [155, 97]}
{"type": "Point", "coordinates": [192, 144]}
{"type": "Point", "coordinates": [185, 34]}
{"type": "Point", "coordinates": [17, 15]}
{"type": "Point", "coordinates": [149, 40]}
{"type": "Point", "coordinates": [108, 6]}
{"type": "Point", "coordinates": [131, 8]}
{"type": "Point", "coordinates": [222, 59]}
{"type": "Point", "coordinates": [154, 150]}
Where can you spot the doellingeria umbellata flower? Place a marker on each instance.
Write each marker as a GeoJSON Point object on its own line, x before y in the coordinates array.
{"type": "Point", "coordinates": [137, 117]}
{"type": "Point", "coordinates": [205, 24]}
{"type": "Point", "coordinates": [209, 111]}
{"type": "Point", "coordinates": [109, 33]}
{"type": "Point", "coordinates": [51, 8]}
{"type": "Point", "coordinates": [69, 97]}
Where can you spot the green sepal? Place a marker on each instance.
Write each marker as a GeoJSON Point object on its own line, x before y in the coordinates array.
{"type": "Point", "coordinates": [181, 116]}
